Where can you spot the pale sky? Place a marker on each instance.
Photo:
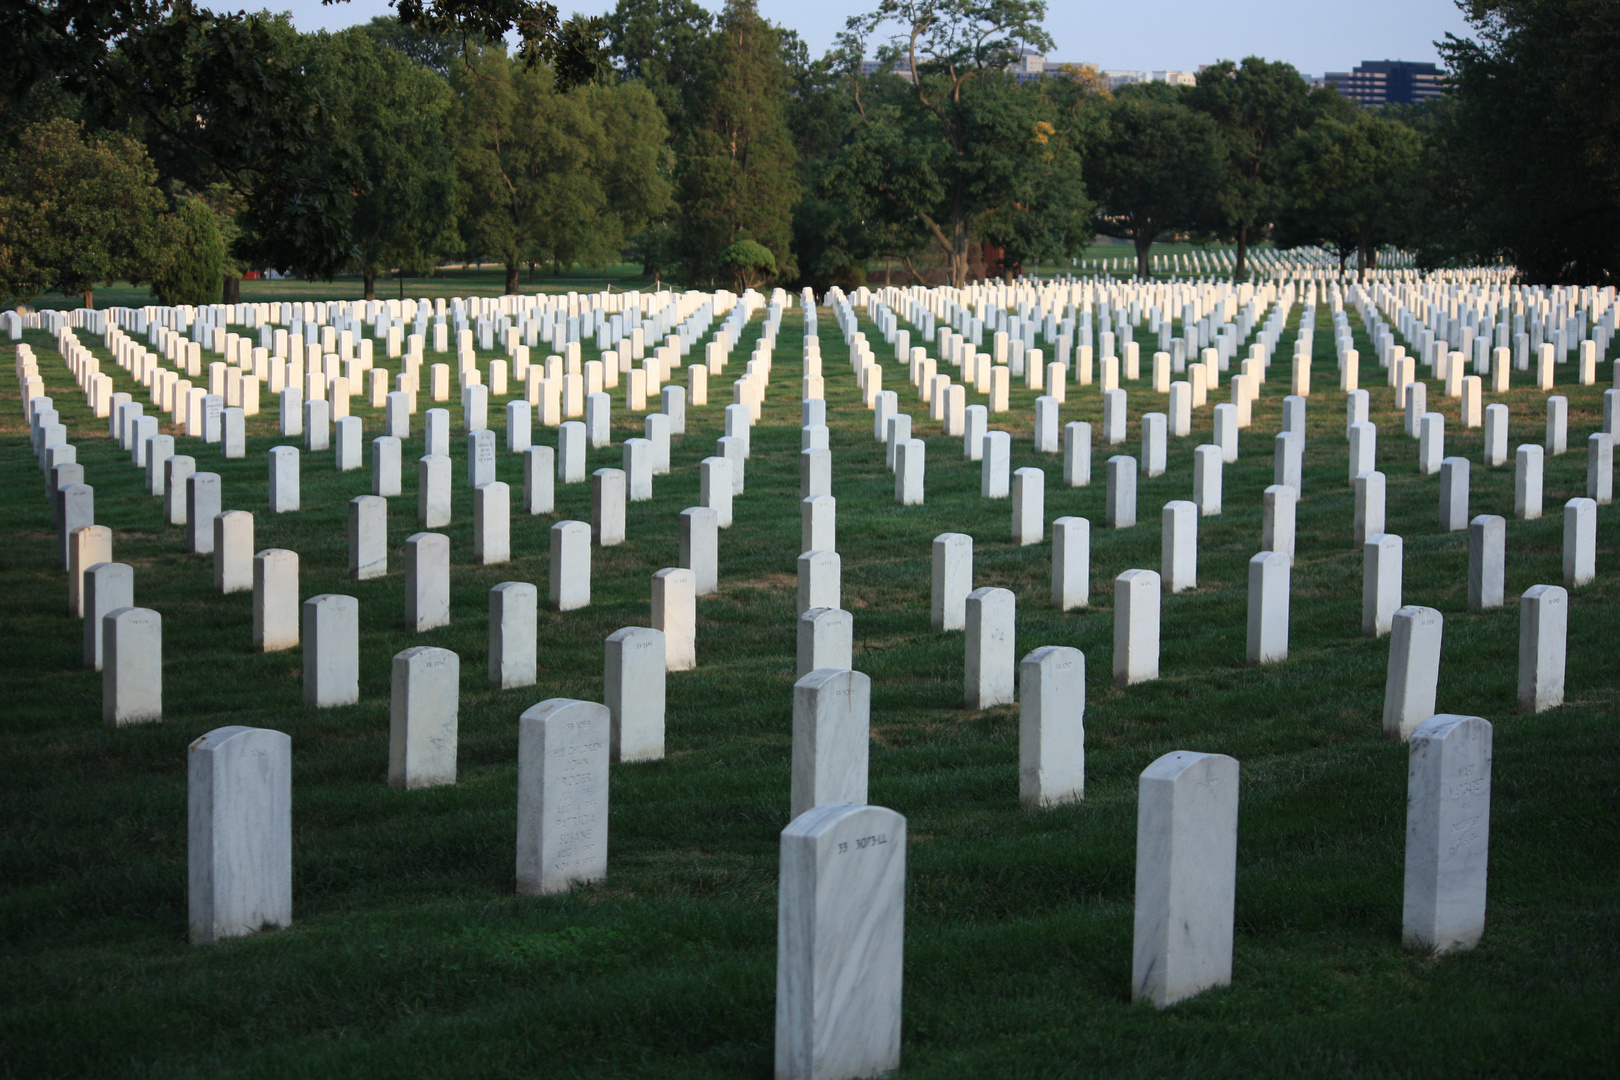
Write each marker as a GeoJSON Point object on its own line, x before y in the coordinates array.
{"type": "Point", "coordinates": [1313, 35]}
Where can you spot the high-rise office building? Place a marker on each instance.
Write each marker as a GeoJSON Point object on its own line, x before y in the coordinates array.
{"type": "Point", "coordinates": [1384, 82]}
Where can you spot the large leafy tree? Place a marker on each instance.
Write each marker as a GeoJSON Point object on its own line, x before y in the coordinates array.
{"type": "Point", "coordinates": [656, 43]}
{"type": "Point", "coordinates": [390, 114]}
{"type": "Point", "coordinates": [197, 261]}
{"type": "Point", "coordinates": [76, 212]}
{"type": "Point", "coordinates": [633, 168]}
{"type": "Point", "coordinates": [1352, 184]}
{"type": "Point", "coordinates": [1153, 168]}
{"type": "Point", "coordinates": [1258, 105]}
{"type": "Point", "coordinates": [219, 98]}
{"type": "Point", "coordinates": [548, 175]}
{"type": "Point", "coordinates": [737, 179]}
{"type": "Point", "coordinates": [1530, 152]}
{"type": "Point", "coordinates": [959, 145]}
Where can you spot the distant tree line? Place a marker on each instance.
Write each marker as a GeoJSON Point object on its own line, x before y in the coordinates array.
{"type": "Point", "coordinates": [170, 146]}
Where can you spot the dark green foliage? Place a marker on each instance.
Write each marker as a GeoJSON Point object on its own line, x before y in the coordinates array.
{"type": "Point", "coordinates": [546, 175]}
{"type": "Point", "coordinates": [736, 164]}
{"type": "Point", "coordinates": [1258, 107]}
{"type": "Point", "coordinates": [961, 151]}
{"type": "Point", "coordinates": [389, 114]}
{"type": "Point", "coordinates": [1355, 184]}
{"type": "Point", "coordinates": [1530, 154]}
{"type": "Point", "coordinates": [1154, 168]}
{"type": "Point", "coordinates": [76, 212]}
{"type": "Point", "coordinates": [436, 52]}
{"type": "Point", "coordinates": [197, 261]}
{"type": "Point", "coordinates": [750, 264]}
{"type": "Point", "coordinates": [657, 43]}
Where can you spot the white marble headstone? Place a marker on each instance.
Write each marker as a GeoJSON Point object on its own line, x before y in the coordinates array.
{"type": "Point", "coordinates": [238, 833]}
{"type": "Point", "coordinates": [1052, 727]}
{"type": "Point", "coordinates": [840, 943]}
{"type": "Point", "coordinates": [422, 728]}
{"type": "Point", "coordinates": [562, 811]}
{"type": "Point", "coordinates": [1186, 876]}
{"type": "Point", "coordinates": [831, 738]}
{"type": "Point", "coordinates": [331, 636]}
{"type": "Point", "coordinates": [1414, 669]}
{"type": "Point", "coordinates": [513, 611]}
{"type": "Point", "coordinates": [1448, 824]}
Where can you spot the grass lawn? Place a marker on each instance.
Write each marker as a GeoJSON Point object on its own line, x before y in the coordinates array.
{"type": "Point", "coordinates": [410, 955]}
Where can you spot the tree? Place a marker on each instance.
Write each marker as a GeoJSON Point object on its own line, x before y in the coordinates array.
{"type": "Point", "coordinates": [1352, 184]}
{"type": "Point", "coordinates": [545, 175]}
{"type": "Point", "coordinates": [1153, 169]}
{"type": "Point", "coordinates": [390, 115]}
{"type": "Point", "coordinates": [961, 145]}
{"type": "Point", "coordinates": [635, 168]}
{"type": "Point", "coordinates": [749, 263]}
{"type": "Point", "coordinates": [655, 43]}
{"type": "Point", "coordinates": [218, 99]}
{"type": "Point", "coordinates": [737, 179]}
{"type": "Point", "coordinates": [77, 212]}
{"type": "Point", "coordinates": [1257, 106]}
{"type": "Point", "coordinates": [196, 263]}
{"type": "Point", "coordinates": [436, 52]}
{"type": "Point", "coordinates": [1529, 154]}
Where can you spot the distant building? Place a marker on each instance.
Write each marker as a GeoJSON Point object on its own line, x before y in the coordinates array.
{"type": "Point", "coordinates": [1385, 82]}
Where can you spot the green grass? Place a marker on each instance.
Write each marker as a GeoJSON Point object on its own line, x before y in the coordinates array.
{"type": "Point", "coordinates": [410, 955]}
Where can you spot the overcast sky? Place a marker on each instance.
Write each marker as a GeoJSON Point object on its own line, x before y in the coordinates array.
{"type": "Point", "coordinates": [1313, 35]}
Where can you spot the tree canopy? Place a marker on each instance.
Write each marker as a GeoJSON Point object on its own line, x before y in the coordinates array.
{"type": "Point", "coordinates": [1154, 168]}
{"type": "Point", "coordinates": [76, 212]}
{"type": "Point", "coordinates": [736, 163]}
{"type": "Point", "coordinates": [958, 143]}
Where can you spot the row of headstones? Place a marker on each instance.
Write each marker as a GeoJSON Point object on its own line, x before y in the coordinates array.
{"type": "Point", "coordinates": [1541, 647]}
{"type": "Point", "coordinates": [840, 940]}
{"type": "Point", "coordinates": [1139, 939]}
{"type": "Point", "coordinates": [168, 472]}
{"type": "Point", "coordinates": [133, 689]}
{"type": "Point", "coordinates": [1031, 512]}
{"type": "Point", "coordinates": [427, 577]}
{"type": "Point", "coordinates": [100, 591]}
{"type": "Point", "coordinates": [994, 451]}
{"type": "Point", "coordinates": [988, 615]}
{"type": "Point", "coordinates": [841, 897]}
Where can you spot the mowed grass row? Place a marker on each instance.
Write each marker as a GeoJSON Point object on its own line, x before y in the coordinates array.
{"type": "Point", "coordinates": [411, 955]}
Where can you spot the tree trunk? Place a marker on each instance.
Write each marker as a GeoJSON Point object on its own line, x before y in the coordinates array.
{"type": "Point", "coordinates": [959, 255]}
{"type": "Point", "coordinates": [1144, 244]}
{"type": "Point", "coordinates": [959, 239]}
{"type": "Point", "coordinates": [888, 270]}
{"type": "Point", "coordinates": [1364, 255]}
{"type": "Point", "coordinates": [89, 298]}
{"type": "Point", "coordinates": [370, 278]}
{"type": "Point", "coordinates": [1240, 272]}
{"type": "Point", "coordinates": [231, 293]}
{"type": "Point", "coordinates": [511, 279]}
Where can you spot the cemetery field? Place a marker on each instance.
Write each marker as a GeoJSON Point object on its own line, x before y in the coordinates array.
{"type": "Point", "coordinates": [411, 955]}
